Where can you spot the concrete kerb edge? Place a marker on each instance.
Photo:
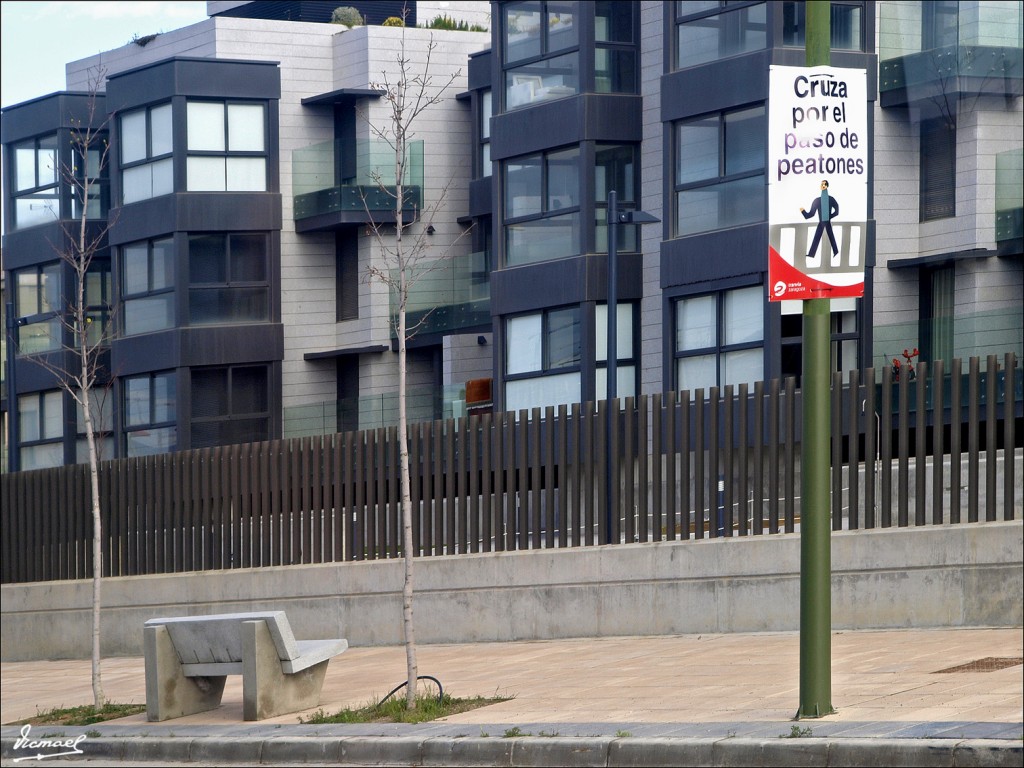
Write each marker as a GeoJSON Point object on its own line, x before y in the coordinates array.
{"type": "Point", "coordinates": [540, 750]}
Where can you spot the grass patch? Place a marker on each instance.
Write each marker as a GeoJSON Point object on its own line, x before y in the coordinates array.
{"type": "Point", "coordinates": [86, 714]}
{"type": "Point", "coordinates": [394, 711]}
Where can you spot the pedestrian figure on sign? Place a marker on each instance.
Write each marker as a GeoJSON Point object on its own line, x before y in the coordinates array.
{"type": "Point", "coordinates": [827, 209]}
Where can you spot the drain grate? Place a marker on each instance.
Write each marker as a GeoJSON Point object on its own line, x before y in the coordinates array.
{"type": "Point", "coordinates": [990, 664]}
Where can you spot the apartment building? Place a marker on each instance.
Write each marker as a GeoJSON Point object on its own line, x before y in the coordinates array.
{"type": "Point", "coordinates": [666, 103]}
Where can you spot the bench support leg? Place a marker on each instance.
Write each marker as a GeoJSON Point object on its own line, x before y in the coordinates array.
{"type": "Point", "coordinates": [168, 692]}
{"type": "Point", "coordinates": [266, 690]}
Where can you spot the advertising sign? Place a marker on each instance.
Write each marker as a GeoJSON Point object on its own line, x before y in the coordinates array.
{"type": "Point", "coordinates": [817, 182]}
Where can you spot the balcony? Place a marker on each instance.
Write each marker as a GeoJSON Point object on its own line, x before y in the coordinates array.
{"type": "Point", "coordinates": [449, 297]}
{"type": "Point", "coordinates": [926, 53]}
{"type": "Point", "coordinates": [340, 183]}
{"type": "Point", "coordinates": [1010, 201]}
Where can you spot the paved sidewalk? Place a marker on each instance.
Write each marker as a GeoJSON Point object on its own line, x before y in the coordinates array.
{"type": "Point", "coordinates": [620, 698]}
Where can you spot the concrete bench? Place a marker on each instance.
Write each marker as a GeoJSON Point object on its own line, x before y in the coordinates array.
{"type": "Point", "coordinates": [188, 659]}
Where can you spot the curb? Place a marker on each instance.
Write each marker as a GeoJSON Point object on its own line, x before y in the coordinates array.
{"type": "Point", "coordinates": [574, 752]}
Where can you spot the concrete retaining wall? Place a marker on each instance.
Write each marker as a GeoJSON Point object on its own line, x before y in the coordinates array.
{"type": "Point", "coordinates": [948, 576]}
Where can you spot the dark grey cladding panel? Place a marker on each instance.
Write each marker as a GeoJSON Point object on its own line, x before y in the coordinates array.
{"type": "Point", "coordinates": [48, 113]}
{"type": "Point", "coordinates": [593, 117]}
{"type": "Point", "coordinates": [480, 197]}
{"type": "Point", "coordinates": [229, 344]}
{"type": "Point", "coordinates": [715, 86]}
{"type": "Point", "coordinates": [479, 70]}
{"type": "Point", "coordinates": [714, 255]}
{"type": "Point", "coordinates": [42, 244]}
{"type": "Point", "coordinates": [558, 283]}
{"type": "Point", "coordinates": [216, 78]}
{"type": "Point", "coordinates": [196, 212]}
{"type": "Point", "coordinates": [132, 355]}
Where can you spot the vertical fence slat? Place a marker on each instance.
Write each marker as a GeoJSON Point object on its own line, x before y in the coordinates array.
{"type": "Point", "coordinates": [548, 468]}
{"type": "Point", "coordinates": [743, 435]}
{"type": "Point", "coordinates": [437, 436]}
{"type": "Point", "coordinates": [562, 468]}
{"type": "Point", "coordinates": [532, 472]}
{"type": "Point", "coordinates": [973, 438]}
{"type": "Point", "coordinates": [699, 478]}
{"type": "Point", "coordinates": [591, 472]}
{"type": "Point", "coordinates": [903, 450]}
{"type": "Point", "coordinates": [885, 438]}
{"type": "Point", "coordinates": [1009, 460]}
{"type": "Point", "coordinates": [871, 426]}
{"type": "Point", "coordinates": [725, 481]}
{"type": "Point", "coordinates": [920, 444]}
{"type": "Point", "coordinates": [474, 509]}
{"type": "Point", "coordinates": [370, 510]}
{"type": "Point", "coordinates": [757, 436]}
{"type": "Point", "coordinates": [462, 488]}
{"type": "Point", "coordinates": [629, 528]}
{"type": "Point", "coordinates": [789, 458]}
{"type": "Point", "coordinates": [487, 464]}
{"type": "Point", "coordinates": [774, 445]}
{"type": "Point", "coordinates": [836, 445]}
{"type": "Point", "coordinates": [576, 501]}
{"type": "Point", "coordinates": [450, 479]}
{"type": "Point", "coordinates": [498, 475]}
{"type": "Point", "coordinates": [641, 483]}
{"type": "Point", "coordinates": [938, 440]}
{"type": "Point", "coordinates": [955, 438]}
{"type": "Point", "coordinates": [716, 515]}
{"type": "Point", "coordinates": [522, 516]}
{"type": "Point", "coordinates": [991, 436]}
{"type": "Point", "coordinates": [853, 450]}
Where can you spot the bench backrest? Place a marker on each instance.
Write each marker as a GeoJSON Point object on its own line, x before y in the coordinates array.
{"type": "Point", "coordinates": [217, 639]}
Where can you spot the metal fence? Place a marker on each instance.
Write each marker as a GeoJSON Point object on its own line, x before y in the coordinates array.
{"type": "Point", "coordinates": [719, 463]}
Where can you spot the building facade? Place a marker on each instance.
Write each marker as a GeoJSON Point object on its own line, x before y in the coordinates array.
{"type": "Point", "coordinates": [245, 175]}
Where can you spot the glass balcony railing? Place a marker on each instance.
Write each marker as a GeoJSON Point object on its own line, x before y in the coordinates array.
{"type": "Point", "coordinates": [357, 177]}
{"type": "Point", "coordinates": [449, 296]}
{"type": "Point", "coordinates": [374, 412]}
{"type": "Point", "coordinates": [1010, 195]}
{"type": "Point", "coordinates": [972, 47]}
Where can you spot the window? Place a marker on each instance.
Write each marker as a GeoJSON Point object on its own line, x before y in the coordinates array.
{"type": "Point", "coordinates": [940, 24]}
{"type": "Point", "coordinates": [102, 414]}
{"type": "Point", "coordinates": [719, 171]}
{"type": "Point", "coordinates": [937, 309]}
{"type": "Point", "coordinates": [485, 134]}
{"type": "Point", "coordinates": [719, 338]}
{"type": "Point", "coordinates": [542, 216]}
{"type": "Point", "coordinates": [41, 429]}
{"type": "Point", "coordinates": [846, 23]}
{"type": "Point", "coordinates": [98, 302]}
{"type": "Point", "coordinates": [38, 300]}
{"type": "Point", "coordinates": [538, 38]}
{"type": "Point", "coordinates": [542, 359]}
{"type": "Point", "coordinates": [150, 413]}
{"type": "Point", "coordinates": [615, 48]}
{"type": "Point", "coordinates": [228, 279]}
{"type": "Point", "coordinates": [707, 30]}
{"type": "Point", "coordinates": [938, 169]}
{"type": "Point", "coordinates": [845, 337]}
{"type": "Point", "coordinates": [615, 167]}
{"type": "Point", "coordinates": [35, 176]}
{"type": "Point", "coordinates": [147, 286]}
{"type": "Point", "coordinates": [226, 147]}
{"type": "Point", "coordinates": [625, 348]}
{"type": "Point", "coordinates": [147, 144]}
{"type": "Point", "coordinates": [92, 169]}
{"type": "Point", "coordinates": [230, 405]}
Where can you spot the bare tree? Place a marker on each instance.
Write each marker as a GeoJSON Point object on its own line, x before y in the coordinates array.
{"type": "Point", "coordinates": [405, 259]}
{"type": "Point", "coordinates": [79, 365]}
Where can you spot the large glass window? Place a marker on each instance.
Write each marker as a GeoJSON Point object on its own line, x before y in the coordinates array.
{"type": "Point", "coordinates": [147, 144]}
{"type": "Point", "coordinates": [938, 169]}
{"type": "Point", "coordinates": [719, 338]}
{"type": "Point", "coordinates": [719, 170]}
{"type": "Point", "coordinates": [97, 297]}
{"type": "Point", "coordinates": [615, 47]}
{"type": "Point", "coordinates": [226, 147]}
{"type": "Point", "coordinates": [542, 359]}
{"type": "Point", "coordinates": [846, 22]}
{"type": "Point", "coordinates": [150, 413]}
{"type": "Point", "coordinates": [485, 133]}
{"type": "Point", "coordinates": [38, 300]}
{"type": "Point", "coordinates": [35, 182]}
{"type": "Point", "coordinates": [92, 170]}
{"type": "Point", "coordinates": [147, 286]}
{"type": "Point", "coordinates": [230, 405]}
{"type": "Point", "coordinates": [708, 30]}
{"type": "Point", "coordinates": [41, 429]}
{"type": "Point", "coordinates": [228, 279]}
{"type": "Point", "coordinates": [542, 217]}
{"type": "Point", "coordinates": [615, 167]}
{"type": "Point", "coordinates": [102, 414]}
{"type": "Point", "coordinates": [538, 36]}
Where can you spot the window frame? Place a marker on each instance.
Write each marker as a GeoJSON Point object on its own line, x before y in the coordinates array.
{"type": "Point", "coordinates": [724, 7]}
{"type": "Point", "coordinates": [37, 190]}
{"type": "Point", "coordinates": [44, 438]}
{"type": "Point", "coordinates": [937, 154]}
{"type": "Point", "coordinates": [149, 159]}
{"type": "Point", "coordinates": [510, 220]}
{"type": "Point", "coordinates": [227, 153]}
{"type": "Point", "coordinates": [42, 312]}
{"type": "Point", "coordinates": [723, 176]}
{"type": "Point", "coordinates": [833, 15]}
{"type": "Point", "coordinates": [230, 417]}
{"type": "Point", "coordinates": [150, 292]}
{"type": "Point", "coordinates": [229, 283]}
{"type": "Point", "coordinates": [152, 424]}
{"type": "Point", "coordinates": [718, 349]}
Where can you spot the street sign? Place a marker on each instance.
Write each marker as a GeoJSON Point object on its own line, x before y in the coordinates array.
{"type": "Point", "coordinates": [817, 182]}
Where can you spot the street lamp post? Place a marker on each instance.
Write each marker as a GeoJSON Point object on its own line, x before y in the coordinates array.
{"type": "Point", "coordinates": [615, 217]}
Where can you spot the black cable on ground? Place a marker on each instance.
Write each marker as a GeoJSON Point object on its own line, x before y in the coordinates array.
{"type": "Point", "coordinates": [440, 690]}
